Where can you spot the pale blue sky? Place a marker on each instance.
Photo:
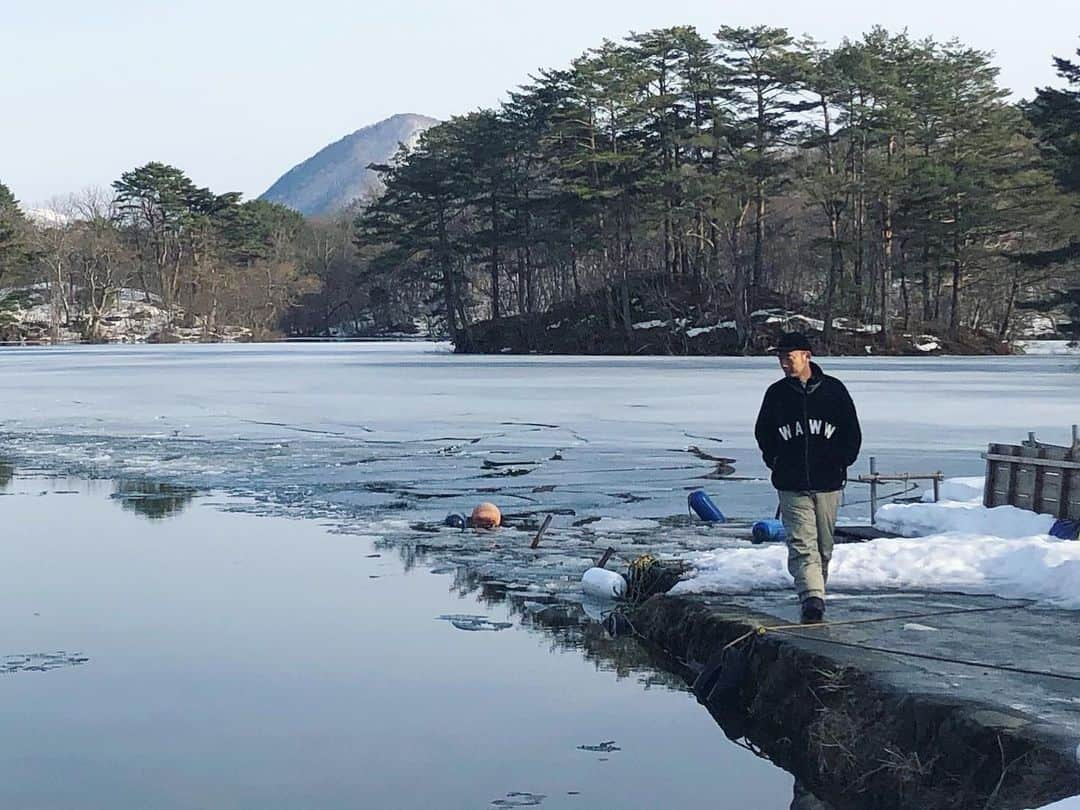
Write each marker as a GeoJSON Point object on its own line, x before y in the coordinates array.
{"type": "Point", "coordinates": [237, 92]}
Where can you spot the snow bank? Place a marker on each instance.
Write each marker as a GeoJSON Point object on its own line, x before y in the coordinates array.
{"type": "Point", "coordinates": [1040, 567]}
{"type": "Point", "coordinates": [918, 519]}
{"type": "Point", "coordinates": [949, 546]}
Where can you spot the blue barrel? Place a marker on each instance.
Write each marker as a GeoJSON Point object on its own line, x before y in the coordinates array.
{"type": "Point", "coordinates": [704, 507]}
{"type": "Point", "coordinates": [768, 531]}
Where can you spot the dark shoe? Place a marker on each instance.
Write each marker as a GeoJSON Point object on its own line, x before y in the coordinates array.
{"type": "Point", "coordinates": [813, 610]}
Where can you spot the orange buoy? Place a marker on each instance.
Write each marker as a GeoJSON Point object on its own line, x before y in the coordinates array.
{"type": "Point", "coordinates": [486, 516]}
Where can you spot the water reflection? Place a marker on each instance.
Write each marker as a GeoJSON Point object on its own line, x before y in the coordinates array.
{"type": "Point", "coordinates": [7, 472]}
{"type": "Point", "coordinates": [339, 667]}
{"type": "Point", "coordinates": [803, 799]}
{"type": "Point", "coordinates": [569, 626]}
{"type": "Point", "coordinates": [610, 646]}
{"type": "Point", "coordinates": [152, 499]}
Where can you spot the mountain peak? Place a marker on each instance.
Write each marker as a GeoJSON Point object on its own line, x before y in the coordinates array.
{"type": "Point", "coordinates": [337, 175]}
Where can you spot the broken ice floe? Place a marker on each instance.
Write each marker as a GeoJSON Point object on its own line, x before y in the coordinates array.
{"type": "Point", "coordinates": [464, 621]}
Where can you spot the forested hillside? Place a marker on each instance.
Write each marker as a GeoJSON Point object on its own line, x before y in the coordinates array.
{"type": "Point", "coordinates": [888, 181]}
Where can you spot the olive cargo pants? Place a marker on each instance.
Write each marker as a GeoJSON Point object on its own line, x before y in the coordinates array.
{"type": "Point", "coordinates": [809, 519]}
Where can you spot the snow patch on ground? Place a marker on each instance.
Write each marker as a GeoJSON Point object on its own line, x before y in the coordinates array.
{"type": "Point", "coordinates": [130, 316]}
{"type": "Point", "coordinates": [704, 330]}
{"type": "Point", "coordinates": [1048, 347]}
{"type": "Point", "coordinates": [793, 320]}
{"type": "Point", "coordinates": [949, 546]}
{"type": "Point", "coordinates": [919, 519]}
{"type": "Point", "coordinates": [1039, 567]}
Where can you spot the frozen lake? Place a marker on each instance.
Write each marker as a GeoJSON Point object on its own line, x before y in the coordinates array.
{"type": "Point", "coordinates": [370, 429]}
{"type": "Point", "coordinates": [236, 649]}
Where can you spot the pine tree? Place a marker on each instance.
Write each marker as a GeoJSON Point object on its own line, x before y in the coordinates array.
{"type": "Point", "coordinates": [416, 229]}
{"type": "Point", "coordinates": [12, 234]}
{"type": "Point", "coordinates": [763, 64]}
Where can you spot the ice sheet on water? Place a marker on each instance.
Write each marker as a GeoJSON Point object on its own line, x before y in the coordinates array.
{"type": "Point", "coordinates": [474, 623]}
{"type": "Point", "coordinates": [370, 430]}
{"type": "Point", "coordinates": [610, 525]}
{"type": "Point", "coordinates": [519, 798]}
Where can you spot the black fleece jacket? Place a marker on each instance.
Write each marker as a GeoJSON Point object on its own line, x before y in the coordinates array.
{"type": "Point", "coordinates": [809, 435]}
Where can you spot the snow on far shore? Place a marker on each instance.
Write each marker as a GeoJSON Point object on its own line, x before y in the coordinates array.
{"type": "Point", "coordinates": [949, 546]}
{"type": "Point", "coordinates": [1048, 347]}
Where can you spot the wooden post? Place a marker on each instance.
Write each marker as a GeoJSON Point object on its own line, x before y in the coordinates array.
{"type": "Point", "coordinates": [873, 490]}
{"type": "Point", "coordinates": [937, 486]}
{"type": "Point", "coordinates": [543, 528]}
{"type": "Point", "coordinates": [1070, 481]}
{"type": "Point", "coordinates": [605, 557]}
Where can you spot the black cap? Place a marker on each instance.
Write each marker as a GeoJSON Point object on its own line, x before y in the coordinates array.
{"type": "Point", "coordinates": [793, 342]}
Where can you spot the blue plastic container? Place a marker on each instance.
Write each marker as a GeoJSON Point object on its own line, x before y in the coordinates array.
{"type": "Point", "coordinates": [1066, 529]}
{"type": "Point", "coordinates": [704, 507]}
{"type": "Point", "coordinates": [768, 531]}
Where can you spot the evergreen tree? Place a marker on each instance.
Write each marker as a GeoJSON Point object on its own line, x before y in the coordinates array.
{"type": "Point", "coordinates": [415, 228]}
{"type": "Point", "coordinates": [763, 64]}
{"type": "Point", "coordinates": [12, 234]}
{"type": "Point", "coordinates": [1056, 116]}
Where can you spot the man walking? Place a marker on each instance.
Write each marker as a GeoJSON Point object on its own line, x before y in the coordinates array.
{"type": "Point", "coordinates": [809, 435]}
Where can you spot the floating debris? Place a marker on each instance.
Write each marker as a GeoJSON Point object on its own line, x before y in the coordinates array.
{"type": "Point", "coordinates": [464, 621]}
{"type": "Point", "coordinates": [520, 799]}
{"type": "Point", "coordinates": [40, 662]}
{"type": "Point", "coordinates": [509, 472]}
{"type": "Point", "coordinates": [486, 516]}
{"type": "Point", "coordinates": [697, 452]}
{"type": "Point", "coordinates": [605, 747]}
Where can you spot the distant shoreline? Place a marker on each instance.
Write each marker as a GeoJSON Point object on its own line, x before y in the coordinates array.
{"type": "Point", "coordinates": [1026, 347]}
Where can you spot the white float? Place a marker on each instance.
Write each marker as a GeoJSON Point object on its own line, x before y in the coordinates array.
{"type": "Point", "coordinates": [604, 584]}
